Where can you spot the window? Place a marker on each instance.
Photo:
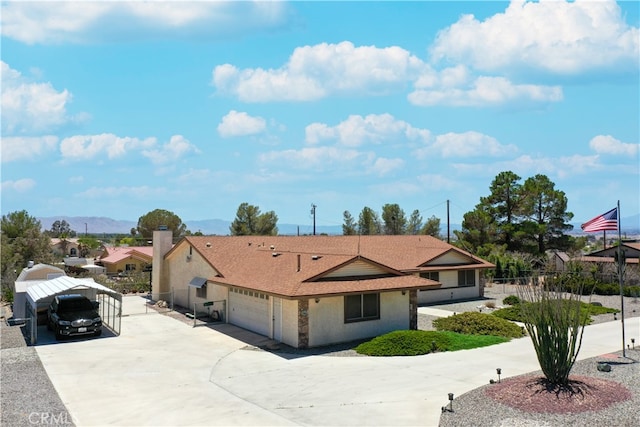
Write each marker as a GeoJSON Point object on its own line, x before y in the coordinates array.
{"type": "Point", "coordinates": [202, 291]}
{"type": "Point", "coordinates": [361, 307]}
{"type": "Point", "coordinates": [466, 278]}
{"type": "Point", "coordinates": [130, 267]}
{"type": "Point", "coordinates": [431, 275]}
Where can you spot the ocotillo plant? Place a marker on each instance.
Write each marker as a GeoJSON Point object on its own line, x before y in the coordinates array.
{"type": "Point", "coordinates": [553, 320]}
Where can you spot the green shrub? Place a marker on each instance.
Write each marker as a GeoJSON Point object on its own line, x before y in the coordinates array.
{"type": "Point", "coordinates": [404, 343]}
{"type": "Point", "coordinates": [632, 291]}
{"type": "Point", "coordinates": [414, 343]}
{"type": "Point", "coordinates": [473, 323]}
{"type": "Point", "coordinates": [511, 300]}
{"type": "Point", "coordinates": [514, 313]}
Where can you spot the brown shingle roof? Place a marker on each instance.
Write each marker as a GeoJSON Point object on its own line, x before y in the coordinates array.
{"type": "Point", "coordinates": [293, 266]}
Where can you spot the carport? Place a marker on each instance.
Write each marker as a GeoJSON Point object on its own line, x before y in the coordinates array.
{"type": "Point", "coordinates": [40, 296]}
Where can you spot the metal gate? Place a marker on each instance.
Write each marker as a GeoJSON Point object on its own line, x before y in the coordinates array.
{"type": "Point", "coordinates": [110, 311]}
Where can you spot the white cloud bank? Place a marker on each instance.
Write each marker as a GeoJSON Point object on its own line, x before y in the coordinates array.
{"type": "Point", "coordinates": [551, 36]}
{"type": "Point", "coordinates": [27, 148]}
{"type": "Point", "coordinates": [18, 186]}
{"type": "Point", "coordinates": [606, 144]}
{"type": "Point", "coordinates": [315, 72]}
{"type": "Point", "coordinates": [108, 21]}
{"type": "Point", "coordinates": [373, 128]}
{"type": "Point", "coordinates": [85, 147]}
{"type": "Point", "coordinates": [240, 124]}
{"type": "Point", "coordinates": [31, 107]}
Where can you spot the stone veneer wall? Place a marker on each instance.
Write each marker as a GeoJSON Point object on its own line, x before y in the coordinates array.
{"type": "Point", "coordinates": [413, 309]}
{"type": "Point", "coordinates": [303, 323]}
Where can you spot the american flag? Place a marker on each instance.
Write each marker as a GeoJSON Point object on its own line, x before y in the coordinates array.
{"type": "Point", "coordinates": [606, 221]}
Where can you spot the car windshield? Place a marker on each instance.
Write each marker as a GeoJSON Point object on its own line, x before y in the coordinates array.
{"type": "Point", "coordinates": [79, 304]}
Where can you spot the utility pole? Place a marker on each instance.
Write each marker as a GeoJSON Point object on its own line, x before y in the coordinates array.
{"type": "Point", "coordinates": [313, 212]}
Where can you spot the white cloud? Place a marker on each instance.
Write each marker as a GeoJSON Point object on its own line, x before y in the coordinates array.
{"type": "Point", "coordinates": [484, 91]}
{"type": "Point", "coordinates": [466, 144]}
{"type": "Point", "coordinates": [554, 36]}
{"type": "Point", "coordinates": [177, 147]}
{"type": "Point", "coordinates": [109, 21]}
{"type": "Point", "coordinates": [383, 166]}
{"type": "Point", "coordinates": [240, 124]}
{"type": "Point", "coordinates": [374, 128]}
{"type": "Point", "coordinates": [318, 158]}
{"type": "Point", "coordinates": [19, 186]}
{"type": "Point", "coordinates": [27, 148]}
{"type": "Point", "coordinates": [30, 107]}
{"type": "Point", "coordinates": [606, 144]}
{"type": "Point", "coordinates": [84, 147]}
{"type": "Point", "coordinates": [314, 72]}
{"type": "Point", "coordinates": [527, 165]}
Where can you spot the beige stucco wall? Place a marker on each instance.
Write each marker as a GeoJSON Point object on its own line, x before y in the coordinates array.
{"type": "Point", "coordinates": [180, 272]}
{"type": "Point", "coordinates": [290, 322]}
{"type": "Point", "coordinates": [327, 326]}
{"type": "Point", "coordinates": [450, 291]}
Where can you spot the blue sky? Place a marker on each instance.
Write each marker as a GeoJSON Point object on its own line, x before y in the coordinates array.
{"type": "Point", "coordinates": [115, 109]}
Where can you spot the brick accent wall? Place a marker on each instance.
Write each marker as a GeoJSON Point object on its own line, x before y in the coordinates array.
{"type": "Point", "coordinates": [303, 323]}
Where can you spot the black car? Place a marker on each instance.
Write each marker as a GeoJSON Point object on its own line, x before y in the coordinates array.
{"type": "Point", "coordinates": [71, 315]}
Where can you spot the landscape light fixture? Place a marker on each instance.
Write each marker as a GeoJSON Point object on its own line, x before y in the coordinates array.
{"type": "Point", "coordinates": [450, 402]}
{"type": "Point", "coordinates": [633, 343]}
{"type": "Point", "coordinates": [499, 371]}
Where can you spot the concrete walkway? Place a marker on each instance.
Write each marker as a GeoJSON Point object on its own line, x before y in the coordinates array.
{"type": "Point", "coordinates": [162, 372]}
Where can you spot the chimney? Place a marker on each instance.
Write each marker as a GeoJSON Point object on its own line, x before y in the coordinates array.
{"type": "Point", "coordinates": [162, 243]}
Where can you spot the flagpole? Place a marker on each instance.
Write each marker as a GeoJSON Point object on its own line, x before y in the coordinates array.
{"type": "Point", "coordinates": [620, 281]}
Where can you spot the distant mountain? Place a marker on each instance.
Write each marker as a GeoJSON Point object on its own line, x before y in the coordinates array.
{"type": "Point", "coordinates": [99, 225]}
{"type": "Point", "coordinates": [91, 224]}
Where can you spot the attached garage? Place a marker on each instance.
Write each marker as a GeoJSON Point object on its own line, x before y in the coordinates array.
{"type": "Point", "coordinates": [249, 310]}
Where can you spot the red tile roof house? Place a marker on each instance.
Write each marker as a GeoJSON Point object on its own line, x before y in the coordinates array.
{"type": "Point", "coordinates": [310, 291]}
{"type": "Point", "coordinates": [120, 259]}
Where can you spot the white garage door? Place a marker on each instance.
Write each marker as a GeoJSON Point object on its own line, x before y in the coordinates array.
{"type": "Point", "coordinates": [249, 310]}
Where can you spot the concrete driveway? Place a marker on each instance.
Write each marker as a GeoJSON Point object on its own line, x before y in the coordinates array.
{"type": "Point", "coordinates": [162, 372]}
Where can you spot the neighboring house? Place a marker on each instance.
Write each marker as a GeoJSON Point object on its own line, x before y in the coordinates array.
{"type": "Point", "coordinates": [602, 263]}
{"type": "Point", "coordinates": [30, 276]}
{"type": "Point", "coordinates": [631, 250]}
{"type": "Point", "coordinates": [309, 291]}
{"type": "Point", "coordinates": [126, 259]}
{"type": "Point", "coordinates": [65, 247]}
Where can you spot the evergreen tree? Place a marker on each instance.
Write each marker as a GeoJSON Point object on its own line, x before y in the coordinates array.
{"type": "Point", "coordinates": [349, 227]}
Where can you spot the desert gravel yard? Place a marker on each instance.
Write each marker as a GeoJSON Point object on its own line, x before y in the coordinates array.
{"type": "Point", "coordinates": [27, 396]}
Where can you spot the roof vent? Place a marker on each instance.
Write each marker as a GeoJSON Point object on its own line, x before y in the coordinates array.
{"type": "Point", "coordinates": [272, 247]}
{"type": "Point", "coordinates": [208, 244]}
{"type": "Point", "coordinates": [274, 254]}
{"type": "Point", "coordinates": [315, 257]}
{"type": "Point", "coordinates": [30, 264]}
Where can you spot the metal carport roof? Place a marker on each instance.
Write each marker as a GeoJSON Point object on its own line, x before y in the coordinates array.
{"type": "Point", "coordinates": [61, 284]}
